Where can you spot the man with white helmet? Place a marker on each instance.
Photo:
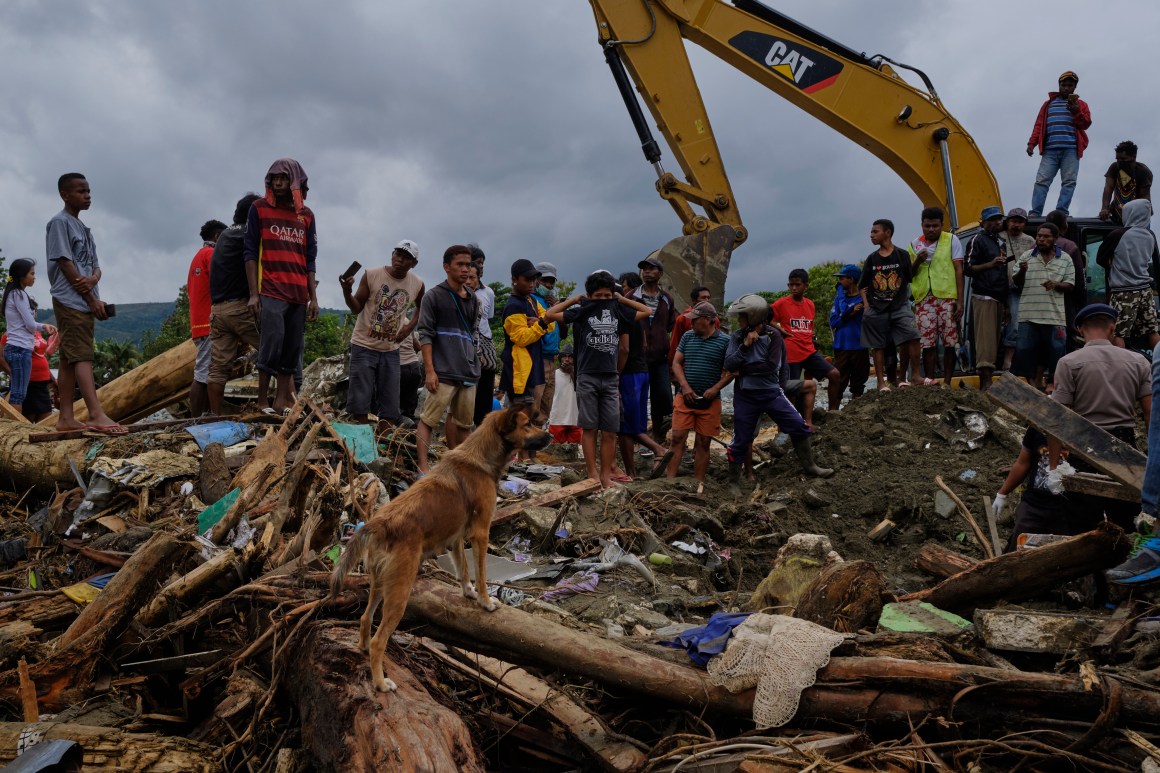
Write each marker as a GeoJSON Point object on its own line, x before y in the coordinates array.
{"type": "Point", "coordinates": [756, 354]}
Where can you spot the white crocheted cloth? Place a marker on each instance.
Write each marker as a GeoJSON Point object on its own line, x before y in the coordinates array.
{"type": "Point", "coordinates": [778, 655]}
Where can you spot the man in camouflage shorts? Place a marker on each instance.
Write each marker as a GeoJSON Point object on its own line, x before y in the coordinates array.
{"type": "Point", "coordinates": [1127, 255]}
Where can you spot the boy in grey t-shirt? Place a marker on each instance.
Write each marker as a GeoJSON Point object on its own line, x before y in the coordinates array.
{"type": "Point", "coordinates": [74, 271]}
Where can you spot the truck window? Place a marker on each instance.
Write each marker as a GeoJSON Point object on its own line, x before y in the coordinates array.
{"type": "Point", "coordinates": [1096, 276]}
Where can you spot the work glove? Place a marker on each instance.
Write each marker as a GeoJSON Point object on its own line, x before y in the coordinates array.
{"type": "Point", "coordinates": [997, 505]}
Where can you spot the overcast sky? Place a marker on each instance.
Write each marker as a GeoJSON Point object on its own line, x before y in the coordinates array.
{"type": "Point", "coordinates": [497, 121]}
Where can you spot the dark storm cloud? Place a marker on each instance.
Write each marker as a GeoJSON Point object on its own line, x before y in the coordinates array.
{"type": "Point", "coordinates": [497, 122]}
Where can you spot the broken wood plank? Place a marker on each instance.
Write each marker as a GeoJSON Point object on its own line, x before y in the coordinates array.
{"type": "Point", "coordinates": [583, 726]}
{"type": "Point", "coordinates": [935, 559]}
{"type": "Point", "coordinates": [1024, 573]}
{"type": "Point", "coordinates": [347, 725]}
{"type": "Point", "coordinates": [189, 586]}
{"type": "Point", "coordinates": [10, 412]}
{"type": "Point", "coordinates": [882, 530]}
{"type": "Point", "coordinates": [992, 526]}
{"type": "Point", "coordinates": [1106, 453]}
{"type": "Point", "coordinates": [1014, 629]}
{"type": "Point", "coordinates": [27, 693]}
{"type": "Point", "coordinates": [1100, 486]}
{"type": "Point", "coordinates": [578, 489]}
{"type": "Point", "coordinates": [107, 748]}
{"type": "Point", "coordinates": [1117, 628]}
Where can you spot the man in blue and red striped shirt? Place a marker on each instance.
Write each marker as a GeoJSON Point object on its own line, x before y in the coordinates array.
{"type": "Point", "coordinates": [280, 248]}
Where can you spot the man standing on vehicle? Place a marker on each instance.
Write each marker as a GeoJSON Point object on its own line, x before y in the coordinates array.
{"type": "Point", "coordinates": [1060, 133]}
{"type": "Point", "coordinates": [1126, 180]}
{"type": "Point", "coordinates": [1017, 243]}
{"type": "Point", "coordinates": [1047, 276]}
{"type": "Point", "coordinates": [937, 287]}
{"type": "Point", "coordinates": [657, 330]}
{"type": "Point", "coordinates": [1127, 253]}
{"type": "Point", "coordinates": [986, 264]}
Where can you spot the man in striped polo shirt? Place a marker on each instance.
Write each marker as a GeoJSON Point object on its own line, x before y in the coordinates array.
{"type": "Point", "coordinates": [1047, 275]}
{"type": "Point", "coordinates": [1060, 133]}
{"type": "Point", "coordinates": [699, 368]}
{"type": "Point", "coordinates": [280, 248]}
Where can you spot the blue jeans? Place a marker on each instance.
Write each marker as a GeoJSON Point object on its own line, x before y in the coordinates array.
{"type": "Point", "coordinates": [1066, 162]}
{"type": "Point", "coordinates": [1150, 496]}
{"type": "Point", "coordinates": [1038, 345]}
{"type": "Point", "coordinates": [20, 363]}
{"type": "Point", "coordinates": [750, 406]}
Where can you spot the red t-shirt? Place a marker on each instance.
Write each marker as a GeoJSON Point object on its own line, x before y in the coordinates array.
{"type": "Point", "coordinates": [797, 320]}
{"type": "Point", "coordinates": [197, 287]}
{"type": "Point", "coordinates": [40, 370]}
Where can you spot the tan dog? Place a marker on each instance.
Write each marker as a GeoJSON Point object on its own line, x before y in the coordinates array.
{"type": "Point", "coordinates": [454, 502]}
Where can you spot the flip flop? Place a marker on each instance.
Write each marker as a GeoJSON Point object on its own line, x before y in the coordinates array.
{"type": "Point", "coordinates": [662, 463]}
{"type": "Point", "coordinates": [885, 388]}
{"type": "Point", "coordinates": [621, 478]}
{"type": "Point", "coordinates": [930, 382]}
{"type": "Point", "coordinates": [269, 411]}
{"type": "Point", "coordinates": [109, 429]}
{"type": "Point", "coordinates": [903, 384]}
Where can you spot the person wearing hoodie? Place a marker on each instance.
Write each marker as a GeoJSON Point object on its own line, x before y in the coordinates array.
{"type": "Point", "coordinates": [1060, 133]}
{"type": "Point", "coordinates": [1127, 254]}
{"type": "Point", "coordinates": [280, 247]}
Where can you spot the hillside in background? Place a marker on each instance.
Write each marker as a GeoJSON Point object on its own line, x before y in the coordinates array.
{"type": "Point", "coordinates": [130, 324]}
{"type": "Point", "coordinates": [133, 320]}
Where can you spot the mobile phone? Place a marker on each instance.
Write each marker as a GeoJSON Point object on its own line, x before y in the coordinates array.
{"type": "Point", "coordinates": [354, 267]}
{"type": "Point", "coordinates": [110, 310]}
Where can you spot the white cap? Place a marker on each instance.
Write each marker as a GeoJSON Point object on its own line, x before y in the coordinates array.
{"type": "Point", "coordinates": [409, 247]}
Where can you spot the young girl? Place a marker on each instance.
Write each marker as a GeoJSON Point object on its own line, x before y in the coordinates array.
{"type": "Point", "coordinates": [22, 328]}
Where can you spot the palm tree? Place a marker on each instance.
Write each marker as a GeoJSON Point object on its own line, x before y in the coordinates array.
{"type": "Point", "coordinates": [113, 359]}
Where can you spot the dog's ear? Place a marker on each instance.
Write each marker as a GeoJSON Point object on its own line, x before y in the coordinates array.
{"type": "Point", "coordinates": [510, 420]}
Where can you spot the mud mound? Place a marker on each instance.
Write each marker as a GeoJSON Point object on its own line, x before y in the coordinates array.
{"type": "Point", "coordinates": [886, 449]}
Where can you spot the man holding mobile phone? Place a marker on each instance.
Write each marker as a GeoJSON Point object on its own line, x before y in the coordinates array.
{"type": "Point", "coordinates": [1060, 133]}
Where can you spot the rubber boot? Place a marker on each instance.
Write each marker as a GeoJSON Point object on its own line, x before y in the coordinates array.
{"type": "Point", "coordinates": [803, 447]}
{"type": "Point", "coordinates": [734, 479]}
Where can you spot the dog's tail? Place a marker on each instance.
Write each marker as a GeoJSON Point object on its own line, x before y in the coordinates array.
{"type": "Point", "coordinates": [351, 555]}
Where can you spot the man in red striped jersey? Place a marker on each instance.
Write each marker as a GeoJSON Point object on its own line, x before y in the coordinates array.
{"type": "Point", "coordinates": [280, 248]}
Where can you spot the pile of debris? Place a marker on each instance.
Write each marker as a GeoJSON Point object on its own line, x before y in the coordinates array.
{"type": "Point", "coordinates": [168, 610]}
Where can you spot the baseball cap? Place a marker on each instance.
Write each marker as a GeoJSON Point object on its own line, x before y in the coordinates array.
{"type": "Point", "coordinates": [851, 270]}
{"type": "Point", "coordinates": [525, 268]}
{"type": "Point", "coordinates": [1068, 75]}
{"type": "Point", "coordinates": [1095, 310]}
{"type": "Point", "coordinates": [566, 349]}
{"type": "Point", "coordinates": [1017, 212]}
{"type": "Point", "coordinates": [990, 213]}
{"type": "Point", "coordinates": [409, 247]}
{"type": "Point", "coordinates": [547, 270]}
{"type": "Point", "coordinates": [651, 260]}
{"type": "Point", "coordinates": [702, 310]}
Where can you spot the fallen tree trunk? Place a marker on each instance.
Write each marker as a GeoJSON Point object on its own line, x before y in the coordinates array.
{"type": "Point", "coordinates": [106, 748]}
{"type": "Point", "coordinates": [42, 465]}
{"type": "Point", "coordinates": [1024, 573]}
{"type": "Point", "coordinates": [347, 725]}
{"type": "Point", "coordinates": [847, 690]}
{"type": "Point", "coordinates": [147, 385]}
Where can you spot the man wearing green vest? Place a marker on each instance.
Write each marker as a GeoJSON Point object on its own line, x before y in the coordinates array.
{"type": "Point", "coordinates": [937, 286]}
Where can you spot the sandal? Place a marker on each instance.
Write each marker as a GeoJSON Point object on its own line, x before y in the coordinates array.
{"type": "Point", "coordinates": [902, 384]}
{"type": "Point", "coordinates": [621, 478]}
{"type": "Point", "coordinates": [931, 382]}
{"type": "Point", "coordinates": [109, 429]}
{"type": "Point", "coordinates": [885, 388]}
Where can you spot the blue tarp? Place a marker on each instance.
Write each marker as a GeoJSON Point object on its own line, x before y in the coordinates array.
{"type": "Point", "coordinates": [360, 439]}
{"type": "Point", "coordinates": [225, 432]}
{"type": "Point", "coordinates": [708, 640]}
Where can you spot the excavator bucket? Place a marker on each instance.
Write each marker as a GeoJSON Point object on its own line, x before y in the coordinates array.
{"type": "Point", "coordinates": [701, 259]}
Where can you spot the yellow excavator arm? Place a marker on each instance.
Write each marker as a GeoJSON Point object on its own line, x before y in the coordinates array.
{"type": "Point", "coordinates": [861, 97]}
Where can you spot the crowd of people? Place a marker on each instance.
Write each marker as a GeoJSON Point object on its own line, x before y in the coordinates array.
{"type": "Point", "coordinates": [618, 368]}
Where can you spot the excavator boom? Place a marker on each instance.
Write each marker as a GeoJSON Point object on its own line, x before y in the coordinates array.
{"type": "Point", "coordinates": [861, 97]}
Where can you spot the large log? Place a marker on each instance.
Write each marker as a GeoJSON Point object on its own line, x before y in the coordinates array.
{"type": "Point", "coordinates": [107, 748]}
{"type": "Point", "coordinates": [1025, 573]}
{"type": "Point", "coordinates": [147, 385]}
{"type": "Point", "coordinates": [848, 689]}
{"type": "Point", "coordinates": [42, 465]}
{"type": "Point", "coordinates": [348, 726]}
{"type": "Point", "coordinates": [1106, 453]}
